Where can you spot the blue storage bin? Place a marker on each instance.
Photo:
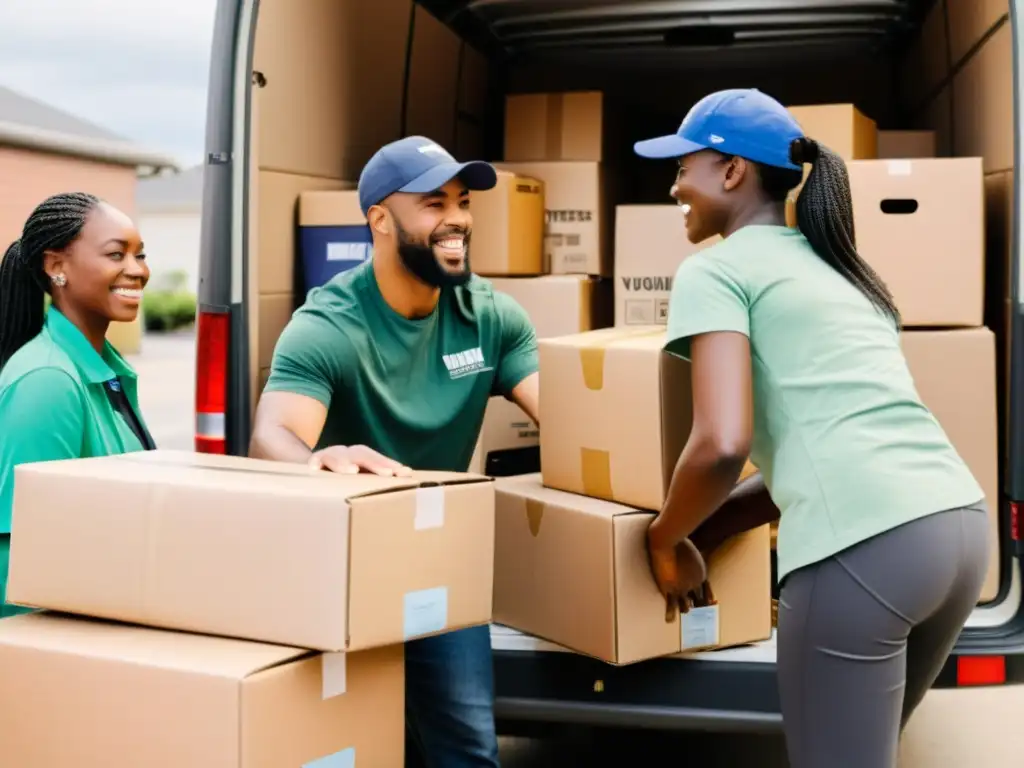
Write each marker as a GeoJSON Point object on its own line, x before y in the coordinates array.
{"type": "Point", "coordinates": [333, 236]}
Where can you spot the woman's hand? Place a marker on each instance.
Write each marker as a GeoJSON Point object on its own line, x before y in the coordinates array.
{"type": "Point", "coordinates": [679, 572]}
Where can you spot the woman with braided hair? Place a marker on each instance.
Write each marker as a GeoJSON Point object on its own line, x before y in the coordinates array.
{"type": "Point", "coordinates": [65, 392]}
{"type": "Point", "coordinates": [796, 361]}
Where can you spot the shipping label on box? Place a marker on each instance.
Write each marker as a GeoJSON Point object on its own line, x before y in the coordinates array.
{"type": "Point", "coordinates": [254, 549]}
{"type": "Point", "coordinates": [574, 570]}
{"type": "Point", "coordinates": [554, 127]}
{"type": "Point", "coordinates": [508, 227]}
{"type": "Point", "coordinates": [650, 244]}
{"type": "Point", "coordinates": [920, 225]}
{"type": "Point", "coordinates": [616, 410]}
{"type": "Point", "coordinates": [104, 695]}
{"type": "Point", "coordinates": [577, 233]}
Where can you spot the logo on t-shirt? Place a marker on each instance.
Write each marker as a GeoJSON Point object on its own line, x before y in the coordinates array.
{"type": "Point", "coordinates": [465, 363]}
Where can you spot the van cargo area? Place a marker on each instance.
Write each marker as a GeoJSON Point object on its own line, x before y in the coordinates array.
{"type": "Point", "coordinates": [308, 90]}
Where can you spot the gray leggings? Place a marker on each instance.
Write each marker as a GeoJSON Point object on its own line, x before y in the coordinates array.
{"type": "Point", "coordinates": [863, 635]}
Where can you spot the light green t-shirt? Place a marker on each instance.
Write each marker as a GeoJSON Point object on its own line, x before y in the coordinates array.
{"type": "Point", "coordinates": [414, 390]}
{"type": "Point", "coordinates": [845, 445]}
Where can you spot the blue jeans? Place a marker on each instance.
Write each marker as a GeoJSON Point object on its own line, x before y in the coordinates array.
{"type": "Point", "coordinates": [449, 701]}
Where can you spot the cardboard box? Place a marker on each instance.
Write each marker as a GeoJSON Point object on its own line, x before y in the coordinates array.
{"type": "Point", "coordinates": [575, 571]}
{"type": "Point", "coordinates": [333, 235]}
{"type": "Point", "coordinates": [508, 227]}
{"type": "Point", "coordinates": [955, 375]}
{"type": "Point", "coordinates": [577, 232]}
{"type": "Point", "coordinates": [841, 127]}
{"type": "Point", "coordinates": [254, 549]}
{"type": "Point", "coordinates": [554, 127]}
{"type": "Point", "coordinates": [616, 411]}
{"type": "Point", "coordinates": [650, 244]}
{"type": "Point", "coordinates": [906, 144]}
{"type": "Point", "coordinates": [921, 225]}
{"type": "Point", "coordinates": [101, 695]}
{"type": "Point", "coordinates": [558, 305]}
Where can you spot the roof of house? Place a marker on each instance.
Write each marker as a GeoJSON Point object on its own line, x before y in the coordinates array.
{"type": "Point", "coordinates": [31, 124]}
{"type": "Point", "coordinates": [171, 192]}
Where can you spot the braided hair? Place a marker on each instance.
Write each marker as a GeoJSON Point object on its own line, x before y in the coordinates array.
{"type": "Point", "coordinates": [825, 216]}
{"type": "Point", "coordinates": [53, 225]}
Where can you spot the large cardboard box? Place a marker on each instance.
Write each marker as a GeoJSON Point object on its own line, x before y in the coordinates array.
{"type": "Point", "coordinates": [254, 549]}
{"type": "Point", "coordinates": [920, 224]}
{"type": "Point", "coordinates": [906, 144]}
{"type": "Point", "coordinates": [575, 571]}
{"type": "Point", "coordinates": [650, 244]}
{"type": "Point", "coordinates": [841, 127]}
{"type": "Point", "coordinates": [333, 235]}
{"type": "Point", "coordinates": [565, 126]}
{"type": "Point", "coordinates": [98, 695]}
{"type": "Point", "coordinates": [558, 305]}
{"type": "Point", "coordinates": [508, 227]}
{"type": "Point", "coordinates": [577, 233]}
{"type": "Point", "coordinates": [955, 375]}
{"type": "Point", "coordinates": [616, 411]}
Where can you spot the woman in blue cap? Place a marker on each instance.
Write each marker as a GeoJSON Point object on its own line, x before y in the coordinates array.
{"type": "Point", "coordinates": [794, 343]}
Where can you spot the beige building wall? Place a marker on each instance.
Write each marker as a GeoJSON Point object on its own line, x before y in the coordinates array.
{"type": "Point", "coordinates": [27, 178]}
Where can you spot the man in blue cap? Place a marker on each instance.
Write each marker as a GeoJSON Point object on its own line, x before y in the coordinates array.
{"type": "Point", "coordinates": [389, 366]}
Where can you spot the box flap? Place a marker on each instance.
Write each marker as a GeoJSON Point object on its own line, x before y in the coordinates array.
{"type": "Point", "coordinates": [538, 497]}
{"type": "Point", "coordinates": [93, 638]}
{"type": "Point", "coordinates": [225, 471]}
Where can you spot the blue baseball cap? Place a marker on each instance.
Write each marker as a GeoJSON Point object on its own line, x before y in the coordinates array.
{"type": "Point", "coordinates": [417, 165]}
{"type": "Point", "coordinates": [739, 121]}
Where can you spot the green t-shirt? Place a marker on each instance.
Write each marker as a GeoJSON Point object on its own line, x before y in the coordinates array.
{"type": "Point", "coordinates": [414, 390]}
{"type": "Point", "coordinates": [54, 404]}
{"type": "Point", "coordinates": [845, 445]}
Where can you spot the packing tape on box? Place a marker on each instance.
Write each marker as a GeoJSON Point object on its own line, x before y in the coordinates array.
{"type": "Point", "coordinates": [334, 674]}
{"type": "Point", "coordinates": [553, 125]}
{"type": "Point", "coordinates": [534, 515]}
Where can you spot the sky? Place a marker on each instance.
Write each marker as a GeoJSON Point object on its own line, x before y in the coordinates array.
{"type": "Point", "coordinates": [138, 68]}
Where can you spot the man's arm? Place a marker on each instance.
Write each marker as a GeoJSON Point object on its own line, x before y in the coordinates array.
{"type": "Point", "coordinates": [517, 377]}
{"type": "Point", "coordinates": [292, 412]}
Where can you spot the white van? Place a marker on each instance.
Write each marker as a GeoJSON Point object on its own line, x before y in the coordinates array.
{"type": "Point", "coordinates": [302, 92]}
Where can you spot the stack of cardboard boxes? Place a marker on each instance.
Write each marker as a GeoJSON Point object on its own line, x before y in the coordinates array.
{"type": "Point", "coordinates": [543, 237]}
{"type": "Point", "coordinates": [571, 560]}
{"type": "Point", "coordinates": [219, 611]}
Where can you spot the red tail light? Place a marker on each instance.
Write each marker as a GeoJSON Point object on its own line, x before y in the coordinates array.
{"type": "Point", "coordinates": [1015, 520]}
{"type": "Point", "coordinates": [212, 334]}
{"type": "Point", "coordinates": [980, 670]}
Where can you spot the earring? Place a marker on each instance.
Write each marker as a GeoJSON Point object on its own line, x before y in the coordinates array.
{"type": "Point", "coordinates": [59, 280]}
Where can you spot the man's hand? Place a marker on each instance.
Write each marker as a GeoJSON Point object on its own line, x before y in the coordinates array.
{"type": "Point", "coordinates": [680, 573]}
{"type": "Point", "coordinates": [353, 459]}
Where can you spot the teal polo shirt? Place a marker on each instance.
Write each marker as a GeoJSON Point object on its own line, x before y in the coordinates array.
{"type": "Point", "coordinates": [54, 405]}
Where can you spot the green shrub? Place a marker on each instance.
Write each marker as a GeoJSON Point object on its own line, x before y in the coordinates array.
{"type": "Point", "coordinates": [165, 310]}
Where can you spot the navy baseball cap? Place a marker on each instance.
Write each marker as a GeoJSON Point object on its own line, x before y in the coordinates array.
{"type": "Point", "coordinates": [740, 121]}
{"type": "Point", "coordinates": [418, 165]}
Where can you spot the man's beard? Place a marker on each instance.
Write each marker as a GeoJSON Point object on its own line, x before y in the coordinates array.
{"type": "Point", "coordinates": [424, 264]}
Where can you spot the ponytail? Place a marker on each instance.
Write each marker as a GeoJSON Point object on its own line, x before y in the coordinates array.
{"type": "Point", "coordinates": [21, 303]}
{"type": "Point", "coordinates": [824, 211]}
{"type": "Point", "coordinates": [53, 225]}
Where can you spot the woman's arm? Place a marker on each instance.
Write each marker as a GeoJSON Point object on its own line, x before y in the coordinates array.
{"type": "Point", "coordinates": [748, 507]}
{"type": "Point", "coordinates": [719, 443]}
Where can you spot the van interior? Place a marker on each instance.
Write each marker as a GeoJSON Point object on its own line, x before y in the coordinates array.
{"type": "Point", "coordinates": [335, 79]}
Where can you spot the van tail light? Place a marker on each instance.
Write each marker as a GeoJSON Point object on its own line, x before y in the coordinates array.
{"type": "Point", "coordinates": [1015, 520]}
{"type": "Point", "coordinates": [980, 670]}
{"type": "Point", "coordinates": [212, 329]}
